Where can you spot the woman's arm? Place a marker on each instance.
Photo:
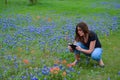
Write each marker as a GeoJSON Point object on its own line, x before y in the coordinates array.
{"type": "Point", "coordinates": [91, 48]}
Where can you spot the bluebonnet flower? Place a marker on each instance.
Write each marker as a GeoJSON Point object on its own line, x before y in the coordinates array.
{"type": "Point", "coordinates": [34, 78]}
{"type": "Point", "coordinates": [55, 65]}
{"type": "Point", "coordinates": [65, 78]}
{"type": "Point", "coordinates": [71, 69]}
{"type": "Point", "coordinates": [67, 71]}
{"type": "Point", "coordinates": [45, 78]}
{"type": "Point", "coordinates": [70, 75]}
{"type": "Point", "coordinates": [31, 28]}
{"type": "Point", "coordinates": [12, 76]}
{"type": "Point", "coordinates": [16, 64]}
{"type": "Point", "coordinates": [108, 78]}
{"type": "Point", "coordinates": [45, 70]}
{"type": "Point", "coordinates": [117, 6]}
{"type": "Point", "coordinates": [9, 57]}
{"type": "Point", "coordinates": [31, 75]}
{"type": "Point", "coordinates": [119, 73]}
{"type": "Point", "coordinates": [78, 72]}
{"type": "Point", "coordinates": [23, 77]}
{"type": "Point", "coordinates": [39, 74]}
{"type": "Point", "coordinates": [61, 67]}
{"type": "Point", "coordinates": [104, 3]}
{"type": "Point", "coordinates": [15, 57]}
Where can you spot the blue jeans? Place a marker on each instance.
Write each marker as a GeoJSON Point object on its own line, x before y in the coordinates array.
{"type": "Point", "coordinates": [95, 55]}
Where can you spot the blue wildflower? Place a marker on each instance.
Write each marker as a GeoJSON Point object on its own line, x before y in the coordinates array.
{"type": "Point", "coordinates": [45, 70]}
{"type": "Point", "coordinates": [108, 78]}
{"type": "Point", "coordinates": [34, 78]}
{"type": "Point", "coordinates": [119, 73]}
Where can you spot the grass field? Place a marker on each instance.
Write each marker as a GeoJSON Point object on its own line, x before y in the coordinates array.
{"type": "Point", "coordinates": [34, 39]}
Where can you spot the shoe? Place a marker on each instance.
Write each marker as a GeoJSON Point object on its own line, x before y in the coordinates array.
{"type": "Point", "coordinates": [75, 62]}
{"type": "Point", "coordinates": [101, 64]}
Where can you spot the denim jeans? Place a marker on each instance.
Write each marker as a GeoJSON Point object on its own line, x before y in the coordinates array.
{"type": "Point", "coordinates": [95, 55]}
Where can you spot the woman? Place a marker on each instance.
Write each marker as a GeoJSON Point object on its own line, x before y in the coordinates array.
{"type": "Point", "coordinates": [88, 43]}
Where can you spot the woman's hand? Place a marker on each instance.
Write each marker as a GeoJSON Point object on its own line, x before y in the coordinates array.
{"type": "Point", "coordinates": [69, 47]}
{"type": "Point", "coordinates": [78, 48]}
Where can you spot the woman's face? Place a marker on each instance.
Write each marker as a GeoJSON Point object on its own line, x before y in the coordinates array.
{"type": "Point", "coordinates": [80, 31]}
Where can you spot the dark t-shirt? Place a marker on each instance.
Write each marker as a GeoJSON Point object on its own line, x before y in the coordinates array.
{"type": "Point", "coordinates": [93, 36]}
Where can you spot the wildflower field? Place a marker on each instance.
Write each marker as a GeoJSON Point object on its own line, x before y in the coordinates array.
{"type": "Point", "coordinates": [34, 39]}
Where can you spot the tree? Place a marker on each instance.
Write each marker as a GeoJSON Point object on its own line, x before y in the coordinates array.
{"type": "Point", "coordinates": [6, 2]}
{"type": "Point", "coordinates": [33, 1]}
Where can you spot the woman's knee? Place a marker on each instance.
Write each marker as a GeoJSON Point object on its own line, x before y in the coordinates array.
{"type": "Point", "coordinates": [96, 54]}
{"type": "Point", "coordinates": [96, 57]}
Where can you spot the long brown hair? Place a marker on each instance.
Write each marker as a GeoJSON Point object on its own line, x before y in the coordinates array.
{"type": "Point", "coordinates": [84, 28]}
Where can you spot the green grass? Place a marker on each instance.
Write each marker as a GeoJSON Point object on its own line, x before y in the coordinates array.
{"type": "Point", "coordinates": [56, 9]}
{"type": "Point", "coordinates": [69, 8]}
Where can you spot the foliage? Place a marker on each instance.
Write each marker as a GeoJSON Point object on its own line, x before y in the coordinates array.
{"type": "Point", "coordinates": [34, 39]}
